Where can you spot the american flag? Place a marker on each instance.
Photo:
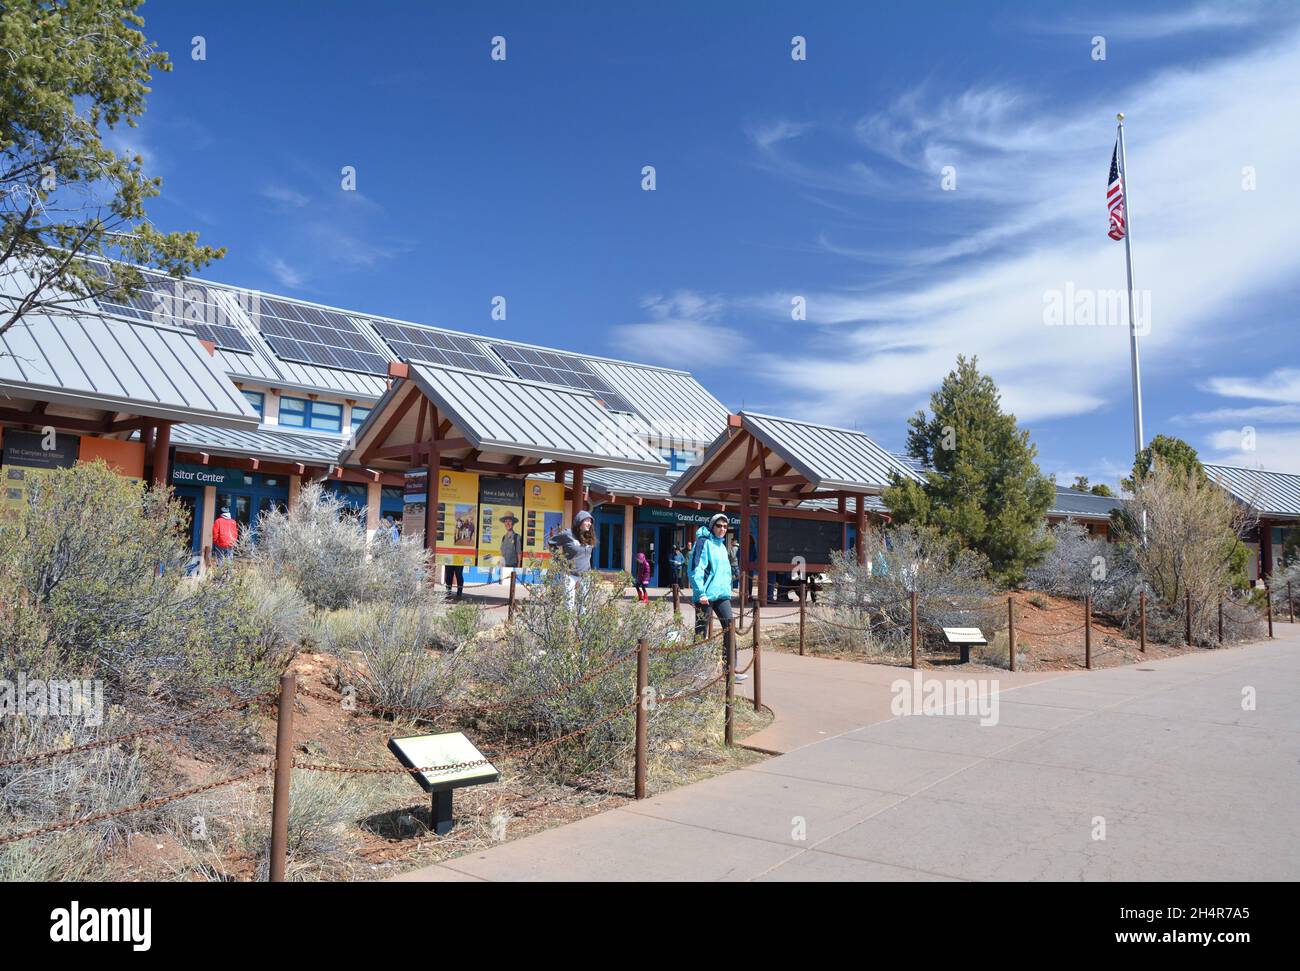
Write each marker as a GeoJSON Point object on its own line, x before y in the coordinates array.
{"type": "Point", "coordinates": [1115, 197]}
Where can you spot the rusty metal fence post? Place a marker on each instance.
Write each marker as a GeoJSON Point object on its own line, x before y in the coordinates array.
{"type": "Point", "coordinates": [803, 615]}
{"type": "Point", "coordinates": [1187, 610]}
{"type": "Point", "coordinates": [744, 591]}
{"type": "Point", "coordinates": [283, 776]}
{"type": "Point", "coordinates": [708, 609]}
{"type": "Point", "coordinates": [1142, 621]}
{"type": "Point", "coordinates": [1268, 606]}
{"type": "Point", "coordinates": [1290, 601]}
{"type": "Point", "coordinates": [677, 599]}
{"type": "Point", "coordinates": [642, 714]}
{"type": "Point", "coordinates": [1011, 630]}
{"type": "Point", "coordinates": [914, 631]}
{"type": "Point", "coordinates": [1220, 621]}
{"type": "Point", "coordinates": [758, 662]}
{"type": "Point", "coordinates": [729, 645]}
{"type": "Point", "coordinates": [510, 607]}
{"type": "Point", "coordinates": [1087, 631]}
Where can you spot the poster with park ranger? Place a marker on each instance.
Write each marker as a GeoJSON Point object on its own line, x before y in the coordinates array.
{"type": "Point", "coordinates": [500, 536]}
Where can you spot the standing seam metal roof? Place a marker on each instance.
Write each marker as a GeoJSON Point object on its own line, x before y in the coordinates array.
{"type": "Point", "coordinates": [526, 417]}
{"type": "Point", "coordinates": [111, 363]}
{"type": "Point", "coordinates": [1271, 493]}
{"type": "Point", "coordinates": [828, 457]}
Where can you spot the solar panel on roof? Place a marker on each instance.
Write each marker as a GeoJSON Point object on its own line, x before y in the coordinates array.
{"type": "Point", "coordinates": [313, 335]}
{"type": "Point", "coordinates": [570, 372]}
{"type": "Point", "coordinates": [183, 303]}
{"type": "Point", "coordinates": [410, 342]}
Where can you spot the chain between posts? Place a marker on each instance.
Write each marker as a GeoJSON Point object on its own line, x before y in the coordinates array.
{"type": "Point", "coordinates": [141, 733]}
{"type": "Point", "coordinates": [138, 807]}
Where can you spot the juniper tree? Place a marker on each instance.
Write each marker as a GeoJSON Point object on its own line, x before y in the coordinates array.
{"type": "Point", "coordinates": [72, 209]}
{"type": "Point", "coordinates": [983, 486]}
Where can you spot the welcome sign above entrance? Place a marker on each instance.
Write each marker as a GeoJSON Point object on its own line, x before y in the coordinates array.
{"type": "Point", "coordinates": [674, 517]}
{"type": "Point", "coordinates": [187, 474]}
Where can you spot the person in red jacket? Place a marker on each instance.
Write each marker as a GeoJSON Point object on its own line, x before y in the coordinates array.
{"type": "Point", "coordinates": [641, 577]}
{"type": "Point", "coordinates": [225, 533]}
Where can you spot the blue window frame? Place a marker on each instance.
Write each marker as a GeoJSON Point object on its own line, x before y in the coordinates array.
{"type": "Point", "coordinates": [359, 414]}
{"type": "Point", "coordinates": [258, 400]}
{"type": "Point", "coordinates": [679, 459]}
{"type": "Point", "coordinates": [319, 416]}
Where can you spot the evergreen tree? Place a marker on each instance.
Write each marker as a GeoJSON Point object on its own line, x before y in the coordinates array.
{"type": "Point", "coordinates": [985, 489]}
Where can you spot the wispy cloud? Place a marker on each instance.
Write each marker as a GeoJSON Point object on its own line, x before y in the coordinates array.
{"type": "Point", "coordinates": [1029, 183]}
{"type": "Point", "coordinates": [286, 275]}
{"type": "Point", "coordinates": [1158, 25]}
{"type": "Point", "coordinates": [682, 324]}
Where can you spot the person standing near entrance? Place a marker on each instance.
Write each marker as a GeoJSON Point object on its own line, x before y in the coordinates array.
{"type": "Point", "coordinates": [576, 545]}
{"type": "Point", "coordinates": [711, 576]}
{"type": "Point", "coordinates": [225, 534]}
{"type": "Point", "coordinates": [454, 574]}
{"type": "Point", "coordinates": [641, 578]}
{"type": "Point", "coordinates": [679, 566]}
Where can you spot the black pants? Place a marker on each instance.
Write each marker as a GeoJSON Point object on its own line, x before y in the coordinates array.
{"type": "Point", "coordinates": [721, 607]}
{"type": "Point", "coordinates": [454, 574]}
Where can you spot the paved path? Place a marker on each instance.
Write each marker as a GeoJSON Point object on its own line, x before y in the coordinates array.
{"type": "Point", "coordinates": [1188, 786]}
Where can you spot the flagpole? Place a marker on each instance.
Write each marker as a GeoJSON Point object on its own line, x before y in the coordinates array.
{"type": "Point", "coordinates": [1132, 323]}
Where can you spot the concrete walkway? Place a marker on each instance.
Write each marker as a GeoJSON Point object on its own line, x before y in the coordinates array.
{"type": "Point", "coordinates": [1160, 758]}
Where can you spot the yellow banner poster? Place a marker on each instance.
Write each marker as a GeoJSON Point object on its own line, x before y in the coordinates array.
{"type": "Point", "coordinates": [457, 537]}
{"type": "Point", "coordinates": [500, 508]}
{"type": "Point", "coordinates": [543, 518]}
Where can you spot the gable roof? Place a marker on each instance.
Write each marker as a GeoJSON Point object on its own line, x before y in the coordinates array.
{"type": "Point", "coordinates": [1082, 505]}
{"type": "Point", "coordinates": [1273, 494]}
{"type": "Point", "coordinates": [512, 417]}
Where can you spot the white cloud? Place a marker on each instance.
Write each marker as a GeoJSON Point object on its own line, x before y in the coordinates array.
{"type": "Point", "coordinates": [1282, 385]}
{"type": "Point", "coordinates": [286, 275]}
{"type": "Point", "coordinates": [1212, 15]}
{"type": "Point", "coordinates": [1031, 180]}
{"type": "Point", "coordinates": [285, 197]}
{"type": "Point", "coordinates": [1277, 450]}
{"type": "Point", "coordinates": [683, 330]}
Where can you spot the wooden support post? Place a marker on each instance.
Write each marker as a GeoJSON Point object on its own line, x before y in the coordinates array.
{"type": "Point", "coordinates": [758, 660]}
{"type": "Point", "coordinates": [729, 645]}
{"type": "Point", "coordinates": [1011, 630]}
{"type": "Point", "coordinates": [642, 714]}
{"type": "Point", "coordinates": [283, 777]}
{"type": "Point", "coordinates": [764, 497]}
{"type": "Point", "coordinates": [1268, 606]}
{"type": "Point", "coordinates": [1187, 611]}
{"type": "Point", "coordinates": [162, 474]}
{"type": "Point", "coordinates": [1142, 621]}
{"type": "Point", "coordinates": [510, 607]}
{"type": "Point", "coordinates": [1087, 631]}
{"type": "Point", "coordinates": [1220, 621]}
{"type": "Point", "coordinates": [803, 613]}
{"type": "Point", "coordinates": [578, 501]}
{"type": "Point", "coordinates": [677, 600]}
{"type": "Point", "coordinates": [1290, 601]}
{"type": "Point", "coordinates": [860, 513]}
{"type": "Point", "coordinates": [915, 632]}
{"type": "Point", "coordinates": [744, 594]}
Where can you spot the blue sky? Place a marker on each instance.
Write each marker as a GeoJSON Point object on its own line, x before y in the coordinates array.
{"type": "Point", "coordinates": [776, 179]}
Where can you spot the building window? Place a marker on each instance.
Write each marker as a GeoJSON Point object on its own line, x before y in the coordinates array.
{"type": "Point", "coordinates": [679, 459]}
{"type": "Point", "coordinates": [258, 400]}
{"type": "Point", "coordinates": [320, 416]}
{"type": "Point", "coordinates": [359, 415]}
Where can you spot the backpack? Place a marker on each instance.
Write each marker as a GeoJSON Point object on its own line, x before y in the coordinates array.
{"type": "Point", "coordinates": [696, 552]}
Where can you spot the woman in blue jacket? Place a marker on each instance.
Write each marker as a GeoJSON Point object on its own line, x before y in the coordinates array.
{"type": "Point", "coordinates": [711, 574]}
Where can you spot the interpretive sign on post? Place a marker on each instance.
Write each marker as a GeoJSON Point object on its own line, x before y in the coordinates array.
{"type": "Point", "coordinates": [470, 768]}
{"type": "Point", "coordinates": [964, 637]}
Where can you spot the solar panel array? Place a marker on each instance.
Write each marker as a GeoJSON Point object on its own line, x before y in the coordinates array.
{"type": "Point", "coordinates": [312, 335]}
{"type": "Point", "coordinates": [412, 343]}
{"type": "Point", "coordinates": [182, 303]}
{"type": "Point", "coordinates": [571, 372]}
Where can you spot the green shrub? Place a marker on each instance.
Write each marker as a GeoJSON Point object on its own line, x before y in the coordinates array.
{"type": "Point", "coordinates": [386, 653]}
{"type": "Point", "coordinates": [556, 642]}
{"type": "Point", "coordinates": [322, 550]}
